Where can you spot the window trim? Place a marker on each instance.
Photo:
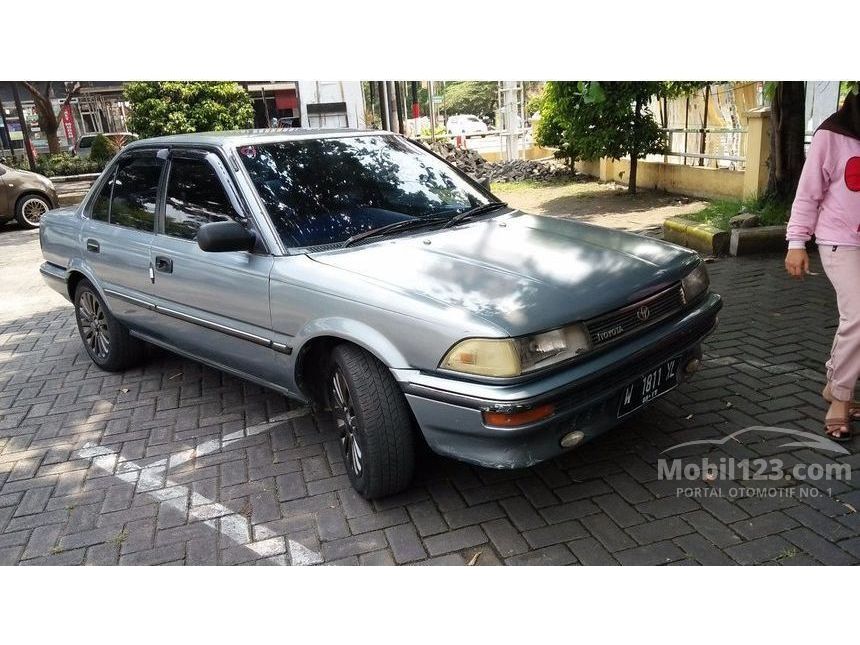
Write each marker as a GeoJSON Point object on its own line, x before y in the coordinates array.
{"type": "Point", "coordinates": [110, 172]}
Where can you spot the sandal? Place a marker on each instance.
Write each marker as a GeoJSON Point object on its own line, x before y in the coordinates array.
{"type": "Point", "coordinates": [841, 426]}
{"type": "Point", "coordinates": [853, 409]}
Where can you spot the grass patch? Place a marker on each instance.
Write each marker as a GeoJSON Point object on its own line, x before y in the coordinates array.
{"type": "Point", "coordinates": [718, 213]}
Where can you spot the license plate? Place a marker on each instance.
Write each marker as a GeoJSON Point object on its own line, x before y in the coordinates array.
{"type": "Point", "coordinates": [648, 387]}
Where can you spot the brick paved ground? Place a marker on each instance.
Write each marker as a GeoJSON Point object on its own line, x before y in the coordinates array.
{"type": "Point", "coordinates": [174, 463]}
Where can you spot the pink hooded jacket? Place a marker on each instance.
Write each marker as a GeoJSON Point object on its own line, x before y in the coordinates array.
{"type": "Point", "coordinates": [828, 195]}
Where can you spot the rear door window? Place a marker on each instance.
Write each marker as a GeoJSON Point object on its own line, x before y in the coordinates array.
{"type": "Point", "coordinates": [135, 191]}
{"type": "Point", "coordinates": [101, 206]}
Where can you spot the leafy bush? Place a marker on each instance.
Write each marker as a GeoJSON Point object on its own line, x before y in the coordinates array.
{"type": "Point", "coordinates": [59, 165]}
{"type": "Point", "coordinates": [103, 149]}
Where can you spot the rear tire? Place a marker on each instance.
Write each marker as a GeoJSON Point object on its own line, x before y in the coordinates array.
{"type": "Point", "coordinates": [370, 412]}
{"type": "Point", "coordinates": [30, 208]}
{"type": "Point", "coordinates": [106, 340]}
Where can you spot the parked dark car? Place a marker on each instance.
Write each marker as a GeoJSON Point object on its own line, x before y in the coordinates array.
{"type": "Point", "coordinates": [25, 196]}
{"type": "Point", "coordinates": [359, 271]}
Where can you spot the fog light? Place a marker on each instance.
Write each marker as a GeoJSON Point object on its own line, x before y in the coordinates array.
{"type": "Point", "coordinates": [512, 419]}
{"type": "Point", "coordinates": [572, 439]}
{"type": "Point", "coordinates": [692, 366]}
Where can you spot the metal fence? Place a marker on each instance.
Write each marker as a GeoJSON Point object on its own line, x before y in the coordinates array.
{"type": "Point", "coordinates": [712, 147]}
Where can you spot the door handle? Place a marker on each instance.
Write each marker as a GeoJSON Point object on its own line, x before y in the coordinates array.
{"type": "Point", "coordinates": [92, 245]}
{"type": "Point", "coordinates": [163, 264]}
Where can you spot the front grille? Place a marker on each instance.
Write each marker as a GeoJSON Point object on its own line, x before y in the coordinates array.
{"type": "Point", "coordinates": [618, 324]}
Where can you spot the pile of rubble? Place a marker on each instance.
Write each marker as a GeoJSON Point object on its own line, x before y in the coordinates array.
{"type": "Point", "coordinates": [473, 164]}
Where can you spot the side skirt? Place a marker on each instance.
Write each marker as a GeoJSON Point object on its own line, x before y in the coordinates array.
{"type": "Point", "coordinates": [219, 366]}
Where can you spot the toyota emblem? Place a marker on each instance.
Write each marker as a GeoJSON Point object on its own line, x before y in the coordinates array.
{"type": "Point", "coordinates": [643, 313]}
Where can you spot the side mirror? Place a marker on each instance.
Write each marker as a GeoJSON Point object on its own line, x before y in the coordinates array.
{"type": "Point", "coordinates": [485, 182]}
{"type": "Point", "coordinates": [219, 237]}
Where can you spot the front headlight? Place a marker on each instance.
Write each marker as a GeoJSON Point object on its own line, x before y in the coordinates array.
{"type": "Point", "coordinates": [695, 283]}
{"type": "Point", "coordinates": [508, 357]}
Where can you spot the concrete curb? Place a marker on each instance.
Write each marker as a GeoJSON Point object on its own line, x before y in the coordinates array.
{"type": "Point", "coordinates": [70, 199]}
{"type": "Point", "coordinates": [60, 179]}
{"type": "Point", "coordinates": [760, 239]}
{"type": "Point", "coordinates": [696, 235]}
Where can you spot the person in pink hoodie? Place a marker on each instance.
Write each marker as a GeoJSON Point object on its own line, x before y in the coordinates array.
{"type": "Point", "coordinates": [827, 205]}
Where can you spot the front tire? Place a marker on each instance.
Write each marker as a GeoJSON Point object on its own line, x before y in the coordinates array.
{"type": "Point", "coordinates": [370, 412]}
{"type": "Point", "coordinates": [29, 210]}
{"type": "Point", "coordinates": [106, 340]}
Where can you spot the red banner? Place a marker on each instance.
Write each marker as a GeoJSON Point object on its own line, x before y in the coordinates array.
{"type": "Point", "coordinates": [69, 124]}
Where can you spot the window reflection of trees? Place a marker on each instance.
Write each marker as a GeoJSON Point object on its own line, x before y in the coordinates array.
{"type": "Point", "coordinates": [134, 194]}
{"type": "Point", "coordinates": [323, 191]}
{"type": "Point", "coordinates": [194, 197]}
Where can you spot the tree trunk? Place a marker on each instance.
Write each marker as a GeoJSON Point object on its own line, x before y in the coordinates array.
{"type": "Point", "coordinates": [49, 122]}
{"type": "Point", "coordinates": [634, 151]}
{"type": "Point", "coordinates": [634, 167]}
{"type": "Point", "coordinates": [787, 112]}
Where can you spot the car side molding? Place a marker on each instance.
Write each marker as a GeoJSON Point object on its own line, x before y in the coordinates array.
{"type": "Point", "coordinates": [202, 322]}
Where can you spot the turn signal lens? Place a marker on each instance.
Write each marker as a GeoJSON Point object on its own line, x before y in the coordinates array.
{"type": "Point", "coordinates": [513, 419]}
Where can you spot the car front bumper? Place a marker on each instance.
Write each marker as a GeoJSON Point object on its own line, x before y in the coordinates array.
{"type": "Point", "coordinates": [585, 396]}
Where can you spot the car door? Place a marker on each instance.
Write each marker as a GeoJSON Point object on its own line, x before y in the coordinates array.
{"type": "Point", "coordinates": [118, 229]}
{"type": "Point", "coordinates": [214, 305]}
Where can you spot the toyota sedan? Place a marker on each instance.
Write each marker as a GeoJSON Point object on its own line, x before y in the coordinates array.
{"type": "Point", "coordinates": [357, 271]}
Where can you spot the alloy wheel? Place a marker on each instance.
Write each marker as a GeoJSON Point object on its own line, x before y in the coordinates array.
{"type": "Point", "coordinates": [347, 423]}
{"type": "Point", "coordinates": [32, 210]}
{"type": "Point", "coordinates": [94, 327]}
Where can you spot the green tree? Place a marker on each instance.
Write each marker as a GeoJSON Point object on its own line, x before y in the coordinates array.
{"type": "Point", "coordinates": [593, 119]}
{"type": "Point", "coordinates": [174, 107]}
{"type": "Point", "coordinates": [49, 120]}
{"type": "Point", "coordinates": [480, 98]}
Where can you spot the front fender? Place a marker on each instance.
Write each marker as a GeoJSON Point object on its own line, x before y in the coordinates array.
{"type": "Point", "coordinates": [356, 332]}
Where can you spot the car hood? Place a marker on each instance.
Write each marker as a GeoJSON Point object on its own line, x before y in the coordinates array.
{"type": "Point", "coordinates": [523, 273]}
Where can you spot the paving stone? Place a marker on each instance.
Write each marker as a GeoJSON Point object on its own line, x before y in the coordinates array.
{"type": "Point", "coordinates": [620, 511]}
{"type": "Point", "coordinates": [354, 545]}
{"type": "Point", "coordinates": [473, 515]}
{"type": "Point", "coordinates": [659, 530]}
{"type": "Point", "coordinates": [554, 534]}
{"type": "Point", "coordinates": [331, 524]}
{"type": "Point", "coordinates": [762, 525]}
{"type": "Point", "coordinates": [762, 550]}
{"type": "Point", "coordinates": [650, 554]}
{"type": "Point", "coordinates": [556, 555]}
{"type": "Point", "coordinates": [702, 550]}
{"type": "Point", "coordinates": [34, 501]}
{"type": "Point", "coordinates": [405, 543]}
{"type": "Point", "coordinates": [455, 540]}
{"type": "Point", "coordinates": [158, 555]}
{"type": "Point", "coordinates": [822, 550]}
{"type": "Point", "coordinates": [589, 551]}
{"type": "Point", "coordinates": [505, 538]}
{"type": "Point", "coordinates": [607, 533]}
{"type": "Point", "coordinates": [376, 521]}
{"type": "Point", "coordinates": [426, 518]}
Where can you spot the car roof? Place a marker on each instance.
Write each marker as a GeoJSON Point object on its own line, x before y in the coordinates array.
{"type": "Point", "coordinates": [235, 138]}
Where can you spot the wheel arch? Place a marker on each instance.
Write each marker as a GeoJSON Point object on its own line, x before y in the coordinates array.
{"type": "Point", "coordinates": [33, 192]}
{"type": "Point", "coordinates": [319, 341]}
{"type": "Point", "coordinates": [77, 272]}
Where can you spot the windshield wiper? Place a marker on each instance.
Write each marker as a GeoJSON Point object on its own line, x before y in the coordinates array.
{"type": "Point", "coordinates": [472, 212]}
{"type": "Point", "coordinates": [394, 226]}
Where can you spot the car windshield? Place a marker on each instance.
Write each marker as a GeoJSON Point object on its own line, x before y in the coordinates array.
{"type": "Point", "coordinates": [324, 191]}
